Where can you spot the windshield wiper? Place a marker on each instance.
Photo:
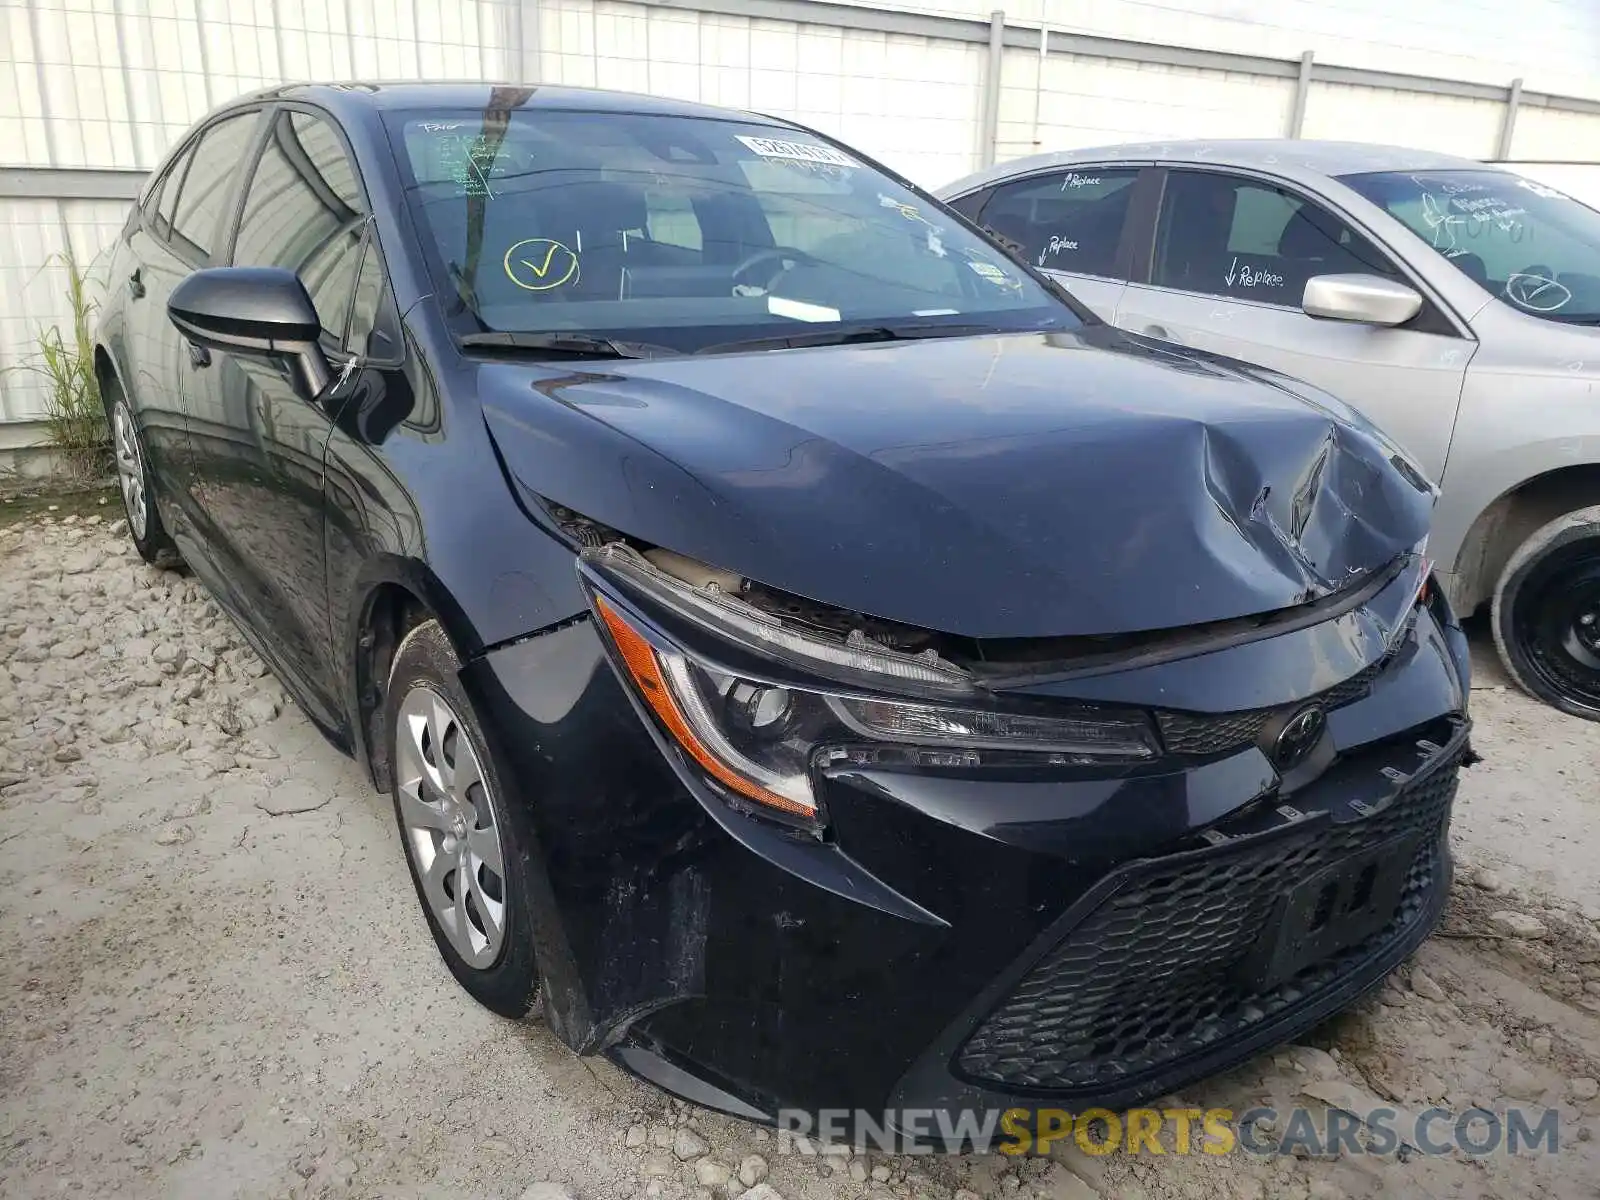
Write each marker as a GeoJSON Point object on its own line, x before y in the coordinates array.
{"type": "Point", "coordinates": [575, 345]}
{"type": "Point", "coordinates": [848, 337]}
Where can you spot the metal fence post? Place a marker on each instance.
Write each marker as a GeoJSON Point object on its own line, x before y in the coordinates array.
{"type": "Point", "coordinates": [1302, 90]}
{"type": "Point", "coordinates": [989, 113]}
{"type": "Point", "coordinates": [206, 82]}
{"type": "Point", "coordinates": [1508, 127]}
{"type": "Point", "coordinates": [48, 120]}
{"type": "Point", "coordinates": [1038, 79]}
{"type": "Point", "coordinates": [119, 15]}
{"type": "Point", "coordinates": [284, 74]}
{"type": "Point", "coordinates": [525, 41]}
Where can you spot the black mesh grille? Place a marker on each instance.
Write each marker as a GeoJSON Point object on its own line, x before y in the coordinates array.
{"type": "Point", "coordinates": [1355, 687]}
{"type": "Point", "coordinates": [1195, 733]}
{"type": "Point", "coordinates": [1213, 733]}
{"type": "Point", "coordinates": [1152, 975]}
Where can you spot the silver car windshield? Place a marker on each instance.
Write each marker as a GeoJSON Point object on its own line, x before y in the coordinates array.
{"type": "Point", "coordinates": [689, 231]}
{"type": "Point", "coordinates": [1532, 246]}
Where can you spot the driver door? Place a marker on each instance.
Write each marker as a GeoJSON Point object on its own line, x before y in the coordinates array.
{"type": "Point", "coordinates": [257, 442]}
{"type": "Point", "coordinates": [1230, 258]}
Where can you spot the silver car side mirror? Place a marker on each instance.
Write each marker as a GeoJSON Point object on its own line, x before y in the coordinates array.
{"type": "Point", "coordinates": [1367, 299]}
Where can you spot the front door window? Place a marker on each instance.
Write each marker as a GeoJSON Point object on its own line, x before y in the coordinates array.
{"type": "Point", "coordinates": [1226, 235]}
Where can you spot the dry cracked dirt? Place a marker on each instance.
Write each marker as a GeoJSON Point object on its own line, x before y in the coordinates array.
{"type": "Point", "coordinates": [214, 980]}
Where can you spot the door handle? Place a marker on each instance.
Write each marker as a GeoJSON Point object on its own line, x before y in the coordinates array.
{"type": "Point", "coordinates": [1162, 332]}
{"type": "Point", "coordinates": [199, 356]}
{"type": "Point", "coordinates": [136, 284]}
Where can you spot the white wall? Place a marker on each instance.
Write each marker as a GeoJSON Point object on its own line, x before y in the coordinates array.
{"type": "Point", "coordinates": [909, 101]}
{"type": "Point", "coordinates": [1447, 123]}
{"type": "Point", "coordinates": [33, 284]}
{"type": "Point", "coordinates": [121, 79]}
{"type": "Point", "coordinates": [1553, 44]}
{"type": "Point", "coordinates": [1064, 101]}
{"type": "Point", "coordinates": [1550, 133]}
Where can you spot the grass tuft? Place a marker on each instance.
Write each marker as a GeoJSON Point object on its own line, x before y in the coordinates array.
{"type": "Point", "coordinates": [74, 415]}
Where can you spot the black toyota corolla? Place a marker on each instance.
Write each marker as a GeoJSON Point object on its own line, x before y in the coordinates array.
{"type": "Point", "coordinates": [811, 657]}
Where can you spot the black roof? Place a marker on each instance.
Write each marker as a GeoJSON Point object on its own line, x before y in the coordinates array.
{"type": "Point", "coordinates": [479, 94]}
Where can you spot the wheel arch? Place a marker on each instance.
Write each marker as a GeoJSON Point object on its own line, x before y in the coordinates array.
{"type": "Point", "coordinates": [1506, 522]}
{"type": "Point", "coordinates": [392, 596]}
{"type": "Point", "coordinates": [106, 374]}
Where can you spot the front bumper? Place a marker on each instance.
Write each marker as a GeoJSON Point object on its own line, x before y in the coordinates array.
{"type": "Point", "coordinates": [989, 939]}
{"type": "Point", "coordinates": [1156, 976]}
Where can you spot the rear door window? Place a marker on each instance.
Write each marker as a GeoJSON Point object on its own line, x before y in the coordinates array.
{"type": "Point", "coordinates": [1065, 221]}
{"type": "Point", "coordinates": [198, 205]}
{"type": "Point", "coordinates": [1226, 235]}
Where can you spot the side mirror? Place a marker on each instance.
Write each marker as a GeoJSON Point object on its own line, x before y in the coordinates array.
{"type": "Point", "coordinates": [1366, 299]}
{"type": "Point", "coordinates": [262, 312]}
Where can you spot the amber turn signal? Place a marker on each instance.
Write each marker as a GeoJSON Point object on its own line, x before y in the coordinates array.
{"type": "Point", "coordinates": [645, 669]}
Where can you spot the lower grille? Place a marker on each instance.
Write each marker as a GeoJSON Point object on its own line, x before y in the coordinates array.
{"type": "Point", "coordinates": [1153, 974]}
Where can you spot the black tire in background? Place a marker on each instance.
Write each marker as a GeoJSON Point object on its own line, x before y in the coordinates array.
{"type": "Point", "coordinates": [457, 828]}
{"type": "Point", "coordinates": [1546, 614]}
{"type": "Point", "coordinates": [145, 530]}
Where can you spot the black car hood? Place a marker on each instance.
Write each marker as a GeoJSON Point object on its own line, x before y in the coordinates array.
{"type": "Point", "coordinates": [1009, 486]}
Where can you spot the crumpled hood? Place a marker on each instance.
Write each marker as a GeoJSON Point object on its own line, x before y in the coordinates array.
{"type": "Point", "coordinates": [1021, 485]}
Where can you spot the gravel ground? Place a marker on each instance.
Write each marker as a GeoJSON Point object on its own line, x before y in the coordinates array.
{"type": "Point", "coordinates": [214, 980]}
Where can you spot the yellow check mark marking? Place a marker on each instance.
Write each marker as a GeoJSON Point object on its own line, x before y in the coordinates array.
{"type": "Point", "coordinates": [536, 276]}
{"type": "Point", "coordinates": [544, 270]}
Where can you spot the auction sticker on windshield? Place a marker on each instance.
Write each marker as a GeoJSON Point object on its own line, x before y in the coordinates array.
{"type": "Point", "coordinates": [991, 272]}
{"type": "Point", "coordinates": [798, 151]}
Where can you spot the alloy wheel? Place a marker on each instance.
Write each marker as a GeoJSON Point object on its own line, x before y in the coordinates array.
{"type": "Point", "coordinates": [450, 825]}
{"type": "Point", "coordinates": [130, 467]}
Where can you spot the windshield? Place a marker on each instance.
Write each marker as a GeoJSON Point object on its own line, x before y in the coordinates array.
{"type": "Point", "coordinates": [689, 232]}
{"type": "Point", "coordinates": [1530, 245]}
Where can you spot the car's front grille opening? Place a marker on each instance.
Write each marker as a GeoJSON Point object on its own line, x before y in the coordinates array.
{"type": "Point", "coordinates": [1158, 972]}
{"type": "Point", "coordinates": [1364, 885]}
{"type": "Point", "coordinates": [1324, 910]}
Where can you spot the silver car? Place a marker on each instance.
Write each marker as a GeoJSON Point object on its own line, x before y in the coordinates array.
{"type": "Point", "coordinates": [1456, 304]}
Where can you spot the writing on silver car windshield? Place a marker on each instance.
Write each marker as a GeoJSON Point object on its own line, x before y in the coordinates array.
{"type": "Point", "coordinates": [688, 232]}
{"type": "Point", "coordinates": [1531, 246]}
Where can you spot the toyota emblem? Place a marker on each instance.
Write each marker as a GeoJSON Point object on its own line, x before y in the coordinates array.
{"type": "Point", "coordinates": [1298, 738]}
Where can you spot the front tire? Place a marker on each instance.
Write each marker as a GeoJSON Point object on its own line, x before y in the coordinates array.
{"type": "Point", "coordinates": [145, 530]}
{"type": "Point", "coordinates": [1546, 614]}
{"type": "Point", "coordinates": [468, 851]}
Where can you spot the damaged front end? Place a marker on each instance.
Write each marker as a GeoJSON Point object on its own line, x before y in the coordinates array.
{"type": "Point", "coordinates": [816, 859]}
{"type": "Point", "coordinates": [1060, 719]}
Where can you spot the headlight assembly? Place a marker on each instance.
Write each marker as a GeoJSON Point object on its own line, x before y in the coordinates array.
{"type": "Point", "coordinates": [1099, 737]}
{"type": "Point", "coordinates": [756, 739]}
